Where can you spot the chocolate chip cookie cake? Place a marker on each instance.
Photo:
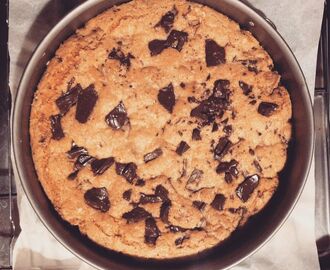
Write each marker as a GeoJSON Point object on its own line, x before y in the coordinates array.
{"type": "Point", "coordinates": [159, 128]}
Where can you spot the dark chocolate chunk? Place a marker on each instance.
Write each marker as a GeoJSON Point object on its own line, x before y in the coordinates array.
{"type": "Point", "coordinates": [267, 108]}
{"type": "Point", "coordinates": [218, 202]}
{"type": "Point", "coordinates": [222, 148]}
{"type": "Point", "coordinates": [99, 166]}
{"type": "Point", "coordinates": [117, 118]}
{"type": "Point", "coordinates": [162, 192]}
{"type": "Point", "coordinates": [156, 46]}
{"type": "Point", "coordinates": [85, 104]}
{"type": "Point", "coordinates": [167, 20]}
{"type": "Point", "coordinates": [166, 97]}
{"type": "Point", "coordinates": [127, 194]}
{"type": "Point", "coordinates": [136, 214]}
{"type": "Point", "coordinates": [246, 188]}
{"type": "Point", "coordinates": [140, 182]}
{"type": "Point", "coordinates": [153, 155]}
{"type": "Point", "coordinates": [215, 127]}
{"type": "Point", "coordinates": [127, 170]}
{"type": "Point", "coordinates": [56, 127]}
{"type": "Point", "coordinates": [182, 85]}
{"type": "Point", "coordinates": [229, 168]}
{"type": "Point", "coordinates": [117, 54]}
{"type": "Point", "coordinates": [228, 129]}
{"type": "Point", "coordinates": [164, 211]}
{"type": "Point", "coordinates": [214, 53]}
{"type": "Point", "coordinates": [247, 89]}
{"type": "Point", "coordinates": [179, 241]}
{"type": "Point", "coordinates": [192, 99]}
{"type": "Point", "coordinates": [98, 198]}
{"type": "Point", "coordinates": [196, 134]}
{"type": "Point", "coordinates": [151, 231]}
{"type": "Point", "coordinates": [194, 179]}
{"type": "Point", "coordinates": [199, 205]}
{"type": "Point", "coordinates": [149, 198]}
{"type": "Point", "coordinates": [76, 151]}
{"type": "Point", "coordinates": [176, 229]}
{"type": "Point", "coordinates": [82, 161]}
{"type": "Point", "coordinates": [67, 100]}
{"type": "Point", "coordinates": [73, 175]}
{"type": "Point", "coordinates": [257, 165]}
{"type": "Point", "coordinates": [177, 39]}
{"type": "Point", "coordinates": [250, 64]}
{"type": "Point", "coordinates": [182, 148]}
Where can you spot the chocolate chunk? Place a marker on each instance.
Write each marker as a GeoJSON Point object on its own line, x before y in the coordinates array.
{"type": "Point", "coordinates": [192, 99]}
{"type": "Point", "coordinates": [153, 155]}
{"type": "Point", "coordinates": [199, 205]}
{"type": "Point", "coordinates": [156, 46]}
{"type": "Point", "coordinates": [99, 166]}
{"type": "Point", "coordinates": [182, 148]}
{"type": "Point", "coordinates": [127, 170]}
{"type": "Point", "coordinates": [222, 148]}
{"type": "Point", "coordinates": [182, 85]}
{"type": "Point", "coordinates": [73, 175]}
{"type": "Point", "coordinates": [85, 103]}
{"type": "Point", "coordinates": [162, 192]}
{"type": "Point", "coordinates": [214, 54]}
{"type": "Point", "coordinates": [177, 39]}
{"type": "Point", "coordinates": [140, 182]}
{"type": "Point", "coordinates": [117, 118]}
{"type": "Point", "coordinates": [56, 127]}
{"type": "Point", "coordinates": [76, 151]}
{"type": "Point", "coordinates": [167, 20]}
{"type": "Point", "coordinates": [228, 129]}
{"type": "Point", "coordinates": [218, 202]}
{"type": "Point", "coordinates": [196, 134]}
{"type": "Point", "coordinates": [117, 54]}
{"type": "Point", "coordinates": [164, 211]}
{"type": "Point", "coordinates": [136, 214]}
{"type": "Point", "coordinates": [146, 198]}
{"type": "Point", "coordinates": [127, 194]}
{"type": "Point", "coordinates": [247, 89]}
{"type": "Point", "coordinates": [166, 97]}
{"type": "Point", "coordinates": [82, 161]}
{"type": "Point", "coordinates": [257, 165]}
{"type": "Point", "coordinates": [151, 232]}
{"type": "Point", "coordinates": [250, 64]}
{"type": "Point", "coordinates": [251, 152]}
{"type": "Point", "coordinates": [215, 127]}
{"type": "Point", "coordinates": [98, 198]}
{"type": "Point", "coordinates": [179, 241]}
{"type": "Point", "coordinates": [246, 188]}
{"type": "Point", "coordinates": [176, 229]}
{"type": "Point", "coordinates": [194, 180]}
{"type": "Point", "coordinates": [267, 108]}
{"type": "Point", "coordinates": [69, 99]}
{"type": "Point", "coordinates": [229, 168]}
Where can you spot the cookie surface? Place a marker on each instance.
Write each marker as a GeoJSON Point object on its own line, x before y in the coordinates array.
{"type": "Point", "coordinates": [159, 128]}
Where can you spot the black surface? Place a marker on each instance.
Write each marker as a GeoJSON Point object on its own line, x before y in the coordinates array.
{"type": "Point", "coordinates": [244, 241]}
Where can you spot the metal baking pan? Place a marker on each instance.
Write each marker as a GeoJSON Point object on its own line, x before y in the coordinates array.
{"type": "Point", "coordinates": [244, 241]}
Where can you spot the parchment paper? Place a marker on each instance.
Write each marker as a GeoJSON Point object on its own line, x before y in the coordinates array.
{"type": "Point", "coordinates": [293, 247]}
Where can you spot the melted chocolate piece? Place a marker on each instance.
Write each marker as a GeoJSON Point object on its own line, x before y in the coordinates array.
{"type": "Point", "coordinates": [228, 129]}
{"type": "Point", "coordinates": [247, 89]}
{"type": "Point", "coordinates": [162, 193]}
{"type": "Point", "coordinates": [82, 161]}
{"type": "Point", "coordinates": [56, 127]}
{"type": "Point", "coordinates": [166, 97]}
{"type": "Point", "coordinates": [140, 182]}
{"type": "Point", "coordinates": [222, 148]}
{"type": "Point", "coordinates": [251, 65]}
{"type": "Point", "coordinates": [167, 20]}
{"type": "Point", "coordinates": [76, 151]}
{"type": "Point", "coordinates": [117, 54]}
{"type": "Point", "coordinates": [136, 214]}
{"type": "Point", "coordinates": [117, 118]}
{"type": "Point", "coordinates": [127, 194]}
{"type": "Point", "coordinates": [153, 155]}
{"type": "Point", "coordinates": [149, 198]}
{"type": "Point", "coordinates": [196, 134]}
{"type": "Point", "coordinates": [69, 99]}
{"type": "Point", "coordinates": [176, 229]}
{"type": "Point", "coordinates": [156, 46]}
{"type": "Point", "coordinates": [182, 148]}
{"type": "Point", "coordinates": [218, 202]}
{"type": "Point", "coordinates": [194, 179]}
{"type": "Point", "coordinates": [127, 170]}
{"type": "Point", "coordinates": [182, 85]}
{"type": "Point", "coordinates": [246, 188]}
{"type": "Point", "coordinates": [192, 99]}
{"type": "Point", "coordinates": [99, 166]}
{"type": "Point", "coordinates": [199, 205]}
{"type": "Point", "coordinates": [179, 241]}
{"type": "Point", "coordinates": [151, 232]}
{"type": "Point", "coordinates": [267, 108]}
{"type": "Point", "coordinates": [214, 54]}
{"type": "Point", "coordinates": [73, 175]}
{"type": "Point", "coordinates": [98, 198]}
{"type": "Point", "coordinates": [229, 168]}
{"type": "Point", "coordinates": [85, 104]}
{"type": "Point", "coordinates": [215, 127]}
{"type": "Point", "coordinates": [164, 211]}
